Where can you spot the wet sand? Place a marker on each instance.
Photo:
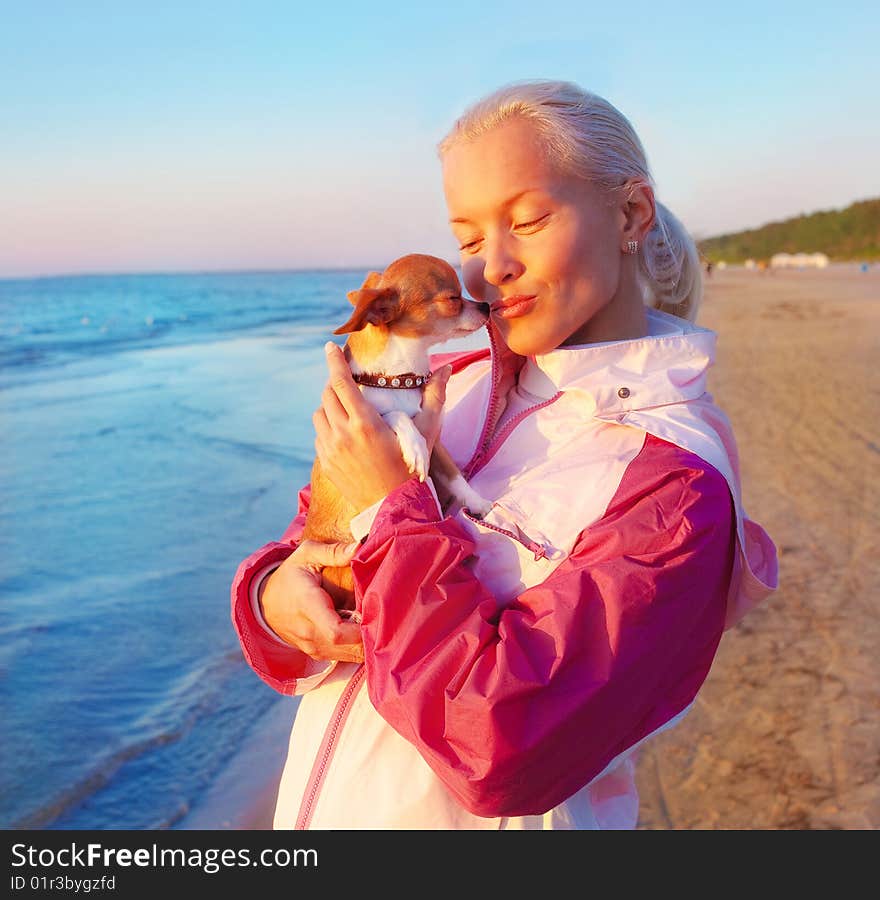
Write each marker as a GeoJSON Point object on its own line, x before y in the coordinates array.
{"type": "Point", "coordinates": [785, 733]}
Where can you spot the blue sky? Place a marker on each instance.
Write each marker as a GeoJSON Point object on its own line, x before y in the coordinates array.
{"type": "Point", "coordinates": [193, 136]}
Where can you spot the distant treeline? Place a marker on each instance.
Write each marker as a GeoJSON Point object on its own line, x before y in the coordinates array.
{"type": "Point", "coordinates": [841, 234]}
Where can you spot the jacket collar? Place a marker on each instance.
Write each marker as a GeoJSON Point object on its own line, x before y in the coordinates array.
{"type": "Point", "coordinates": [669, 365]}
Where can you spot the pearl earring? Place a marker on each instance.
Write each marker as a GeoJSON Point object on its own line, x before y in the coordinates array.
{"type": "Point", "coordinates": [632, 247]}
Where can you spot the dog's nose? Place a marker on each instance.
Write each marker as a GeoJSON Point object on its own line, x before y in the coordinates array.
{"type": "Point", "coordinates": [484, 308]}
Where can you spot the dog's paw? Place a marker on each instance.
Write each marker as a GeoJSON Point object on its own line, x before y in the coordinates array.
{"type": "Point", "coordinates": [476, 504]}
{"type": "Point", "coordinates": [416, 457]}
{"type": "Point", "coordinates": [480, 507]}
{"type": "Point", "coordinates": [412, 445]}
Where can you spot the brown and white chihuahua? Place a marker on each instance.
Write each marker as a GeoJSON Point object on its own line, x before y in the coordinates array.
{"type": "Point", "coordinates": [399, 313]}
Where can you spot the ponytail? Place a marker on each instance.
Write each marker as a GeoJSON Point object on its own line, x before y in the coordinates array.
{"type": "Point", "coordinates": [669, 267]}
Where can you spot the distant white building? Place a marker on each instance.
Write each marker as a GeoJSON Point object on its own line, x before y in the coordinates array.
{"type": "Point", "coordinates": [798, 261]}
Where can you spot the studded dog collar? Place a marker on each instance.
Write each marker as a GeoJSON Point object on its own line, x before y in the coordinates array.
{"type": "Point", "coordinates": [405, 381]}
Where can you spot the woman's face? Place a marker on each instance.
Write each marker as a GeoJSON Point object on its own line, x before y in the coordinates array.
{"type": "Point", "coordinates": [543, 249]}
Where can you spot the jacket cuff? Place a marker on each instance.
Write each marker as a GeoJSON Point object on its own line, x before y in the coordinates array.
{"type": "Point", "coordinates": [256, 592]}
{"type": "Point", "coordinates": [281, 666]}
{"type": "Point", "coordinates": [361, 524]}
{"type": "Point", "coordinates": [413, 501]}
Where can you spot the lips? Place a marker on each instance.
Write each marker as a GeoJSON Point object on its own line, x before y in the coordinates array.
{"type": "Point", "coordinates": [511, 307]}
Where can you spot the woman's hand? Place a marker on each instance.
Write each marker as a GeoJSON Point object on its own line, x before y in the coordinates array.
{"type": "Point", "coordinates": [301, 613]}
{"type": "Point", "coordinates": [359, 453]}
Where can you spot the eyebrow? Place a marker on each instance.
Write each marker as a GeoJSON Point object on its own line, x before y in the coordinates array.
{"type": "Point", "coordinates": [509, 202]}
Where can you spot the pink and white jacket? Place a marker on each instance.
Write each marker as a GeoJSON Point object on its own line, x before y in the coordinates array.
{"type": "Point", "coordinates": [514, 664]}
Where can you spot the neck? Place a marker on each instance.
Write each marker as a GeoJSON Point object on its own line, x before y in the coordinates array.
{"type": "Point", "coordinates": [623, 318]}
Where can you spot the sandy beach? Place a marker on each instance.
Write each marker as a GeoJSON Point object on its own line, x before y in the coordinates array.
{"type": "Point", "coordinates": [786, 731]}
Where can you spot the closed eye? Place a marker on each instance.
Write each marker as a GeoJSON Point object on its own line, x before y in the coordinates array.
{"type": "Point", "coordinates": [469, 246]}
{"type": "Point", "coordinates": [534, 224]}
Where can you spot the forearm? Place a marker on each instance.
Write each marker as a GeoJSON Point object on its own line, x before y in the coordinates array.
{"type": "Point", "coordinates": [276, 663]}
{"type": "Point", "coordinates": [516, 708]}
{"type": "Point", "coordinates": [283, 667]}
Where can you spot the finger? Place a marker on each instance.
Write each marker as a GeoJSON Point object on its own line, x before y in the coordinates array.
{"type": "Point", "coordinates": [430, 416]}
{"type": "Point", "coordinates": [315, 553]}
{"type": "Point", "coordinates": [333, 638]}
{"type": "Point", "coordinates": [343, 385]}
{"type": "Point", "coordinates": [323, 431]}
{"type": "Point", "coordinates": [333, 409]}
{"type": "Point", "coordinates": [348, 643]}
{"type": "Point", "coordinates": [346, 653]}
{"type": "Point", "coordinates": [434, 395]}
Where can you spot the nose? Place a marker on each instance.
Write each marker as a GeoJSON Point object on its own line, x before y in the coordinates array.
{"type": "Point", "coordinates": [484, 308]}
{"type": "Point", "coordinates": [501, 266]}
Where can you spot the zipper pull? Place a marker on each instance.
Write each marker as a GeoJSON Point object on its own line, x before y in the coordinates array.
{"type": "Point", "coordinates": [540, 550]}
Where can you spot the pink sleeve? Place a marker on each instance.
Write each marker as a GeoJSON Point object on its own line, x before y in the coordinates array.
{"type": "Point", "coordinates": [459, 360]}
{"type": "Point", "coordinates": [517, 708]}
{"type": "Point", "coordinates": [278, 664]}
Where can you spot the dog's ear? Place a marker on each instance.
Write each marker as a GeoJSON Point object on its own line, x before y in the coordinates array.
{"type": "Point", "coordinates": [371, 281]}
{"type": "Point", "coordinates": [372, 306]}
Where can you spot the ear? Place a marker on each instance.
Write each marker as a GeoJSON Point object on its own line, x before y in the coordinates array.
{"type": "Point", "coordinates": [372, 306]}
{"type": "Point", "coordinates": [639, 210]}
{"type": "Point", "coordinates": [372, 280]}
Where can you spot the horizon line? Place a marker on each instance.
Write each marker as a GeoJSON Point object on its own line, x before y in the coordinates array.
{"type": "Point", "coordinates": [172, 272]}
{"type": "Point", "coordinates": [350, 268]}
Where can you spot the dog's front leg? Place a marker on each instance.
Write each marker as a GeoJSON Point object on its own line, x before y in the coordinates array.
{"type": "Point", "coordinates": [412, 444]}
{"type": "Point", "coordinates": [449, 481]}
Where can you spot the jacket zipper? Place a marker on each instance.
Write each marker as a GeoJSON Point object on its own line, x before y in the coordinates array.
{"type": "Point", "coordinates": [539, 550]}
{"type": "Point", "coordinates": [484, 453]}
{"type": "Point", "coordinates": [328, 746]}
{"type": "Point", "coordinates": [490, 412]}
{"type": "Point", "coordinates": [484, 457]}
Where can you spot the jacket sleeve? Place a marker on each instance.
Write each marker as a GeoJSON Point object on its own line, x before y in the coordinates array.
{"type": "Point", "coordinates": [284, 668]}
{"type": "Point", "coordinates": [516, 707]}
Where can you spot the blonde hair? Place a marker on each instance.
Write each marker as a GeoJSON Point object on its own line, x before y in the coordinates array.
{"type": "Point", "coordinates": [584, 135]}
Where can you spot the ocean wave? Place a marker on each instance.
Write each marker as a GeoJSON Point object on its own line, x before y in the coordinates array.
{"type": "Point", "coordinates": [21, 354]}
{"type": "Point", "coordinates": [51, 321]}
{"type": "Point", "coordinates": [184, 705]}
{"type": "Point", "coordinates": [270, 452]}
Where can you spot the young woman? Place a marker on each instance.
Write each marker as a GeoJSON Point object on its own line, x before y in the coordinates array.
{"type": "Point", "coordinates": [504, 670]}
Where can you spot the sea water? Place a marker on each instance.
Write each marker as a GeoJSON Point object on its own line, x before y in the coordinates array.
{"type": "Point", "coordinates": [155, 431]}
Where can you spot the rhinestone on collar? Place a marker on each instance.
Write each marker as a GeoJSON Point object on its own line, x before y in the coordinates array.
{"type": "Point", "coordinates": [402, 382]}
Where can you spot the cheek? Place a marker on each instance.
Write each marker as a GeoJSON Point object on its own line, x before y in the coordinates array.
{"type": "Point", "coordinates": [585, 259]}
{"type": "Point", "coordinates": [561, 263]}
{"type": "Point", "coordinates": [472, 276]}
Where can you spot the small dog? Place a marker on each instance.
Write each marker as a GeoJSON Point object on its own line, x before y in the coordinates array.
{"type": "Point", "coordinates": [415, 303]}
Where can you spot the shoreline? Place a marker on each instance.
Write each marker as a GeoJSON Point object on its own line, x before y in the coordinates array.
{"type": "Point", "coordinates": [242, 797]}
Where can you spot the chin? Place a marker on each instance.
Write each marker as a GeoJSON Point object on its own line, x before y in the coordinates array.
{"type": "Point", "coordinates": [524, 335]}
{"type": "Point", "coordinates": [526, 346]}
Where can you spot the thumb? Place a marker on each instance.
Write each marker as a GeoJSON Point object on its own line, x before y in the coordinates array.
{"type": "Point", "coordinates": [435, 393]}
{"type": "Point", "coordinates": [314, 553]}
